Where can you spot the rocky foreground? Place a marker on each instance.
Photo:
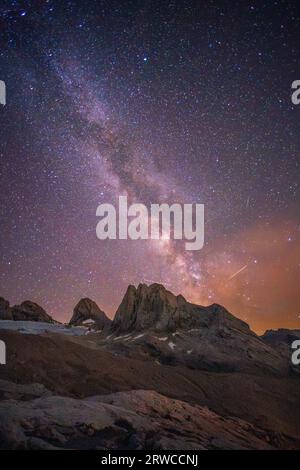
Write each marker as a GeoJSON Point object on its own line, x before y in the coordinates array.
{"type": "Point", "coordinates": [126, 420]}
{"type": "Point", "coordinates": [164, 374]}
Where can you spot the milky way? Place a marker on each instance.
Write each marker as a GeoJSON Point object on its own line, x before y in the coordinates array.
{"type": "Point", "coordinates": [176, 101]}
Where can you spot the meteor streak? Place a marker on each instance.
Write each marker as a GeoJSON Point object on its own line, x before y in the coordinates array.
{"type": "Point", "coordinates": [238, 272]}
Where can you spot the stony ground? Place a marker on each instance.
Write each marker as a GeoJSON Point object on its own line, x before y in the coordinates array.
{"type": "Point", "coordinates": [36, 419]}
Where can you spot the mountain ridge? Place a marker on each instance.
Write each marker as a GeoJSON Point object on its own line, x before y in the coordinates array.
{"type": "Point", "coordinates": [155, 307]}
{"type": "Point", "coordinates": [126, 315]}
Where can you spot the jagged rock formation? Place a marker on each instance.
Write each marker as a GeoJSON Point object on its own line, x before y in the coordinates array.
{"type": "Point", "coordinates": [131, 420]}
{"type": "Point", "coordinates": [153, 321]}
{"type": "Point", "coordinates": [153, 307]}
{"type": "Point", "coordinates": [5, 311]}
{"type": "Point", "coordinates": [30, 311]}
{"type": "Point", "coordinates": [26, 311]}
{"type": "Point", "coordinates": [88, 313]}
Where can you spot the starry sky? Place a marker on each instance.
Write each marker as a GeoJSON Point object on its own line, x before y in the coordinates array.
{"type": "Point", "coordinates": [162, 101]}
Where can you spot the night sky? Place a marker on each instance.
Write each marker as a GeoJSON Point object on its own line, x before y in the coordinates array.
{"type": "Point", "coordinates": [163, 101]}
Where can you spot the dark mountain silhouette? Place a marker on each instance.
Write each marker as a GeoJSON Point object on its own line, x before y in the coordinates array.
{"type": "Point", "coordinates": [26, 311]}
{"type": "Point", "coordinates": [87, 312]}
{"type": "Point", "coordinates": [155, 308]}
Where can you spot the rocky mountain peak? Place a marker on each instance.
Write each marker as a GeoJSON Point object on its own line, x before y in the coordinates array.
{"type": "Point", "coordinates": [87, 312]}
{"type": "Point", "coordinates": [154, 307]}
{"type": "Point", "coordinates": [147, 307]}
{"type": "Point", "coordinates": [30, 311]}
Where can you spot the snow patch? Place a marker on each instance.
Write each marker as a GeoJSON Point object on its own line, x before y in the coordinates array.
{"type": "Point", "coordinates": [128, 338]}
{"type": "Point", "coordinates": [121, 337]}
{"type": "Point", "coordinates": [88, 322]}
{"type": "Point", "coordinates": [36, 328]}
{"type": "Point", "coordinates": [138, 336]}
